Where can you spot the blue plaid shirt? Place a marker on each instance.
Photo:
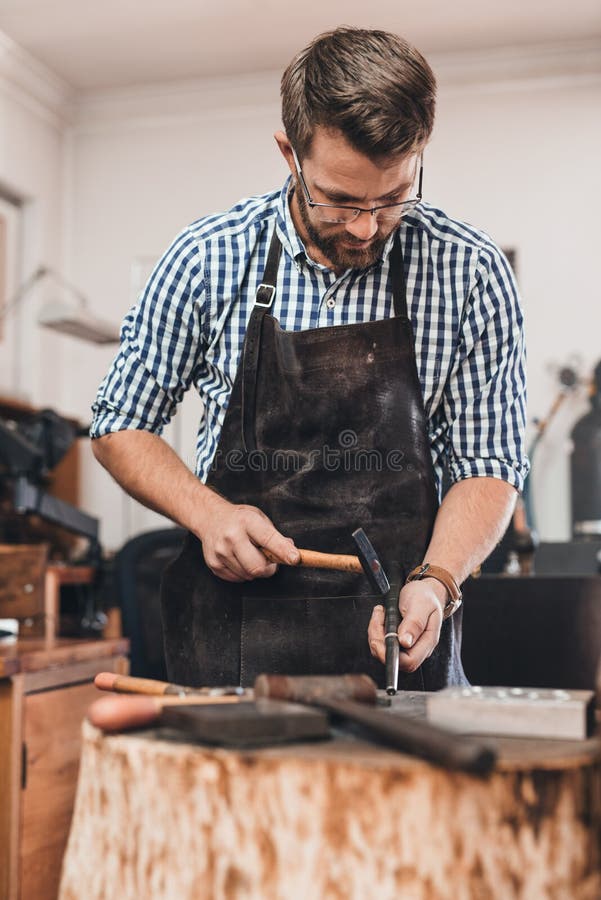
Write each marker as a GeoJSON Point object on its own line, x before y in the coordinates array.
{"type": "Point", "coordinates": [189, 324]}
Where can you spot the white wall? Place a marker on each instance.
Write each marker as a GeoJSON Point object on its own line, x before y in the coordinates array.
{"type": "Point", "coordinates": [143, 169]}
{"type": "Point", "coordinates": [523, 162]}
{"type": "Point", "coordinates": [33, 112]}
{"type": "Point", "coordinates": [515, 151]}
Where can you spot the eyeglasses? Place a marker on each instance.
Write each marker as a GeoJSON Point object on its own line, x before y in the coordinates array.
{"type": "Point", "coordinates": [389, 212]}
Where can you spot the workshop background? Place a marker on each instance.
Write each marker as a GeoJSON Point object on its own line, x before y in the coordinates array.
{"type": "Point", "coordinates": [122, 122]}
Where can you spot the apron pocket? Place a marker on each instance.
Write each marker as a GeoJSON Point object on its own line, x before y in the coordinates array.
{"type": "Point", "coordinates": [318, 636]}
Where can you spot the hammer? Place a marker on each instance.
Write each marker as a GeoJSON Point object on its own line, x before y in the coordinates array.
{"type": "Point", "coordinates": [367, 562]}
{"type": "Point", "coordinates": [353, 697]}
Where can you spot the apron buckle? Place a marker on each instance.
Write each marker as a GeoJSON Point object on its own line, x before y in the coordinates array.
{"type": "Point", "coordinates": [265, 294]}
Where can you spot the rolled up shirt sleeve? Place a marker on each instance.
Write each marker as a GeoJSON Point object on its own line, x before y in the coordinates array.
{"type": "Point", "coordinates": [161, 344]}
{"type": "Point", "coordinates": [484, 402]}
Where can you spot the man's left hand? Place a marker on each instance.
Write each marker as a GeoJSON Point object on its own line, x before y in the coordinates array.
{"type": "Point", "coordinates": [421, 604]}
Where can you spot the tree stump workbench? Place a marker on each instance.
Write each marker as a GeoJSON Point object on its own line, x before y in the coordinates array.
{"type": "Point", "coordinates": [157, 817]}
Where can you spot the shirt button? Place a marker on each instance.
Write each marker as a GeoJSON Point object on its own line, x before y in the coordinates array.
{"type": "Point", "coordinates": [330, 303]}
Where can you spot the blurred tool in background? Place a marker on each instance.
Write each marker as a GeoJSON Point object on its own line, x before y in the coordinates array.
{"type": "Point", "coordinates": [585, 467]}
{"type": "Point", "coordinates": [521, 548]}
{"type": "Point", "coordinates": [523, 533]}
{"type": "Point", "coordinates": [569, 381]}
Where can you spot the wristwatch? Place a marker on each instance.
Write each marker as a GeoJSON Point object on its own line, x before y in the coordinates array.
{"type": "Point", "coordinates": [439, 574]}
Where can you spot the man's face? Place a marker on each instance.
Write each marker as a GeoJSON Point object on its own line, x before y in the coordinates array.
{"type": "Point", "coordinates": [336, 173]}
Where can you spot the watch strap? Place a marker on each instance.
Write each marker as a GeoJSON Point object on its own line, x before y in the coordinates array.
{"type": "Point", "coordinates": [454, 595]}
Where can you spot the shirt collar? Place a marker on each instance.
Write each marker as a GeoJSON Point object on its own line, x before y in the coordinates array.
{"type": "Point", "coordinates": [291, 240]}
{"type": "Point", "coordinates": [287, 233]}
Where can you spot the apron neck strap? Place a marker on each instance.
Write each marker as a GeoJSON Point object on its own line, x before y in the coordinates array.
{"type": "Point", "coordinates": [266, 290]}
{"type": "Point", "coordinates": [252, 341]}
{"type": "Point", "coordinates": [397, 273]}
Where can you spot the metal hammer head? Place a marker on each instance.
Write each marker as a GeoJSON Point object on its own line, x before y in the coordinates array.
{"type": "Point", "coordinates": [370, 562]}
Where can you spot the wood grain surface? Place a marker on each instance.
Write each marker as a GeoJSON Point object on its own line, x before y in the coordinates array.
{"type": "Point", "coordinates": [342, 819]}
{"type": "Point", "coordinates": [52, 734]}
{"type": "Point", "coordinates": [35, 654]}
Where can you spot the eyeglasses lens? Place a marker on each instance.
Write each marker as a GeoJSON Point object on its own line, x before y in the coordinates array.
{"type": "Point", "coordinates": [339, 215]}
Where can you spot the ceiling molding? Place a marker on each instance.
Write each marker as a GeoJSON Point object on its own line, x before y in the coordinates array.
{"type": "Point", "coordinates": [569, 62]}
{"type": "Point", "coordinates": [32, 85]}
{"type": "Point", "coordinates": [517, 68]}
{"type": "Point", "coordinates": [148, 105]}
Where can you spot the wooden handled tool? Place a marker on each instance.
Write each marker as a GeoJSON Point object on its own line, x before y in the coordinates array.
{"type": "Point", "coordinates": [366, 563]}
{"type": "Point", "coordinates": [370, 566]}
{"type": "Point", "coordinates": [127, 684]}
{"type": "Point", "coordinates": [138, 711]}
{"type": "Point", "coordinates": [312, 559]}
{"type": "Point", "coordinates": [147, 698]}
{"type": "Point", "coordinates": [339, 695]}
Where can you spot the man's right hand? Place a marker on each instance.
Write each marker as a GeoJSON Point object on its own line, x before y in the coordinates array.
{"type": "Point", "coordinates": [232, 537]}
{"type": "Point", "coordinates": [148, 469]}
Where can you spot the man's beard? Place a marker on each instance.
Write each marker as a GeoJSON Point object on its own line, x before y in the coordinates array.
{"type": "Point", "coordinates": [330, 245]}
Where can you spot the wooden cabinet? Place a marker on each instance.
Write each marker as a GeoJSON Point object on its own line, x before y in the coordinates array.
{"type": "Point", "coordinates": [45, 689]}
{"type": "Point", "coordinates": [58, 576]}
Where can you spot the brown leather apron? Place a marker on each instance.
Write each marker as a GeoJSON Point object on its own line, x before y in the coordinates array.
{"type": "Point", "coordinates": [325, 432]}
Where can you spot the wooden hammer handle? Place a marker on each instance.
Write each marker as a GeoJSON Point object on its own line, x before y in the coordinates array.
{"type": "Point", "coordinates": [127, 684]}
{"type": "Point", "coordinates": [312, 559]}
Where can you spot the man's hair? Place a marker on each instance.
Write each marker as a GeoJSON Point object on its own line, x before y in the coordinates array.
{"type": "Point", "coordinates": [373, 86]}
